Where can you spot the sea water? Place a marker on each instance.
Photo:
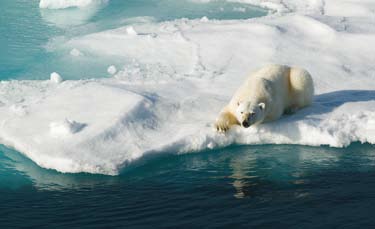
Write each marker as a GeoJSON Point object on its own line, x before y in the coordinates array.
{"type": "Point", "coordinates": [238, 186]}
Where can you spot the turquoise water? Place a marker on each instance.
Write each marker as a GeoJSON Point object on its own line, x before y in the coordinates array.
{"type": "Point", "coordinates": [26, 31]}
{"type": "Point", "coordinates": [241, 186]}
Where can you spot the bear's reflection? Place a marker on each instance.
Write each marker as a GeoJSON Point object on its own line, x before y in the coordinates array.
{"type": "Point", "coordinates": [258, 171]}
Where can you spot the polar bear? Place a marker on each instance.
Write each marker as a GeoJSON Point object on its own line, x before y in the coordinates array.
{"type": "Point", "coordinates": [266, 95]}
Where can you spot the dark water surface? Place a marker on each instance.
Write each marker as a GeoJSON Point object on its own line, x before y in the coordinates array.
{"type": "Point", "coordinates": [242, 186]}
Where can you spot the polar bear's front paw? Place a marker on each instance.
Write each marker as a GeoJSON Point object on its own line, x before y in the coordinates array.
{"type": "Point", "coordinates": [225, 121]}
{"type": "Point", "coordinates": [222, 125]}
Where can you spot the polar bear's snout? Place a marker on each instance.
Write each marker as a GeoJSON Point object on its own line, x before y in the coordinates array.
{"type": "Point", "coordinates": [248, 119]}
{"type": "Point", "coordinates": [245, 124]}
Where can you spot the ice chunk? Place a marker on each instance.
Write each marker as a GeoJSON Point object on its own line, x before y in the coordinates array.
{"type": "Point", "coordinates": [75, 52]}
{"type": "Point", "coordinates": [112, 70]}
{"type": "Point", "coordinates": [204, 19]}
{"type": "Point", "coordinates": [55, 77]}
{"type": "Point", "coordinates": [130, 31]}
{"type": "Point", "coordinates": [239, 9]}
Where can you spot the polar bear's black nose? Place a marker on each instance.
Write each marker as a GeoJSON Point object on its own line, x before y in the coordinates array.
{"type": "Point", "coordinates": [245, 124]}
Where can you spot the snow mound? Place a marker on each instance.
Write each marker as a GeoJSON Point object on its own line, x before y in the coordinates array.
{"type": "Point", "coordinates": [131, 31]}
{"type": "Point", "coordinates": [19, 110]}
{"type": "Point", "coordinates": [65, 128]}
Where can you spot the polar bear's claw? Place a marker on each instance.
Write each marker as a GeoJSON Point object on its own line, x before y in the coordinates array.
{"type": "Point", "coordinates": [221, 126]}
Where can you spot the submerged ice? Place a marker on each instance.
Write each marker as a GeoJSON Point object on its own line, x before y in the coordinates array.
{"type": "Point", "coordinates": [177, 75]}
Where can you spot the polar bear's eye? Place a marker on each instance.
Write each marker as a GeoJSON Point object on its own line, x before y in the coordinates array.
{"type": "Point", "coordinates": [241, 112]}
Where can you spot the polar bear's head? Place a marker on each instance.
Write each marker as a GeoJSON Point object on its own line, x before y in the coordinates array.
{"type": "Point", "coordinates": [249, 113]}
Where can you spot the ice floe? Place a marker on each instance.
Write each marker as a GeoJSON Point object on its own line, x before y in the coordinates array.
{"type": "Point", "coordinates": [178, 76]}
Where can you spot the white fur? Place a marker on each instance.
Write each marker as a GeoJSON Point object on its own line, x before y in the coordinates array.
{"type": "Point", "coordinates": [266, 95]}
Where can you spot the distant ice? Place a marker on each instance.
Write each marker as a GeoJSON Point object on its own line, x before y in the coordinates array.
{"type": "Point", "coordinates": [239, 9]}
{"type": "Point", "coordinates": [179, 74]}
{"type": "Point", "coordinates": [75, 52]}
{"type": "Point", "coordinates": [204, 19]}
{"type": "Point", "coordinates": [62, 4]}
{"type": "Point", "coordinates": [55, 77]}
{"type": "Point", "coordinates": [80, 11]}
{"type": "Point", "coordinates": [112, 70]}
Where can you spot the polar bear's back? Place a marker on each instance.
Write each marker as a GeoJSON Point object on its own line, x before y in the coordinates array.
{"type": "Point", "coordinates": [293, 85]}
{"type": "Point", "coordinates": [285, 89]}
{"type": "Point", "coordinates": [301, 86]}
{"type": "Point", "coordinates": [254, 86]}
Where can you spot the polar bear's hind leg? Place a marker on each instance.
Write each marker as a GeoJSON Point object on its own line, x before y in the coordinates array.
{"type": "Point", "coordinates": [302, 88]}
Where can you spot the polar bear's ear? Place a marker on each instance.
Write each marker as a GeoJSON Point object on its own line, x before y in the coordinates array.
{"type": "Point", "coordinates": [262, 106]}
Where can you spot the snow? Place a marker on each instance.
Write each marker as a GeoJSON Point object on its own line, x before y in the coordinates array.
{"type": "Point", "coordinates": [283, 6]}
{"type": "Point", "coordinates": [350, 8]}
{"type": "Point", "coordinates": [179, 74]}
{"type": "Point", "coordinates": [65, 128]}
{"type": "Point", "coordinates": [19, 110]}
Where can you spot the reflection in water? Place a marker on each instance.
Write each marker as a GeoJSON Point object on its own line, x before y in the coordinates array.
{"type": "Point", "coordinates": [241, 187]}
{"type": "Point", "coordinates": [17, 167]}
{"type": "Point", "coordinates": [253, 167]}
{"type": "Point", "coordinates": [242, 168]}
{"type": "Point", "coordinates": [252, 170]}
